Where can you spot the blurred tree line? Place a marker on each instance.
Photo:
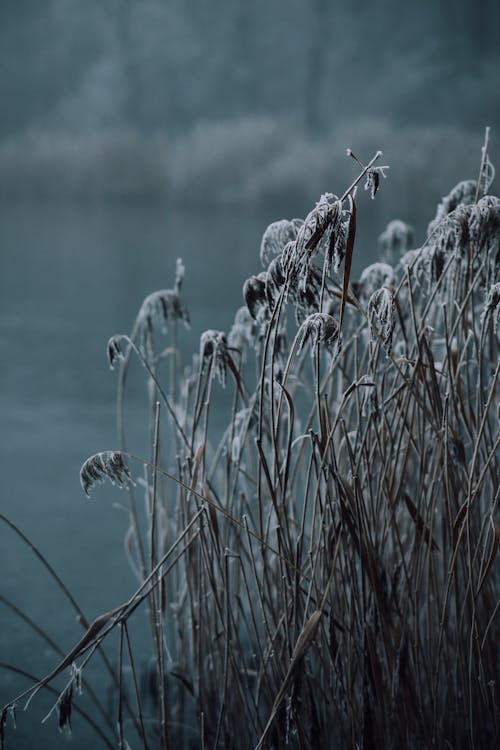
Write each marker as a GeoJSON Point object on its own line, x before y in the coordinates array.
{"type": "Point", "coordinates": [165, 64]}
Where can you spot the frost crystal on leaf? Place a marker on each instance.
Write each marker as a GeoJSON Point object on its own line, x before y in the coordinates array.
{"type": "Point", "coordinates": [108, 464]}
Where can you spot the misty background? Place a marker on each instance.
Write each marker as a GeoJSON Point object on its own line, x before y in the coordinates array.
{"type": "Point", "coordinates": [133, 132]}
{"type": "Point", "coordinates": [240, 103]}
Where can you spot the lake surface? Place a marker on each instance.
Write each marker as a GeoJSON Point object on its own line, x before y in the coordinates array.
{"type": "Point", "coordinates": [72, 275]}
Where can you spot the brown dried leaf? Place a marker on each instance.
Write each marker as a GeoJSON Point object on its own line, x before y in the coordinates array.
{"type": "Point", "coordinates": [348, 262]}
{"type": "Point", "coordinates": [304, 640]}
{"type": "Point", "coordinates": [422, 528]}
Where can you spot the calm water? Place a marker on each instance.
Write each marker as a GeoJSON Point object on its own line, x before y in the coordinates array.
{"type": "Point", "coordinates": [71, 276]}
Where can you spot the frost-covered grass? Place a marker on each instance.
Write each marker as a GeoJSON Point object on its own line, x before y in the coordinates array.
{"type": "Point", "coordinates": [314, 525]}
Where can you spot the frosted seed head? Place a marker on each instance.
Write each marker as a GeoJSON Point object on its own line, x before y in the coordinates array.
{"type": "Point", "coordinates": [114, 350]}
{"type": "Point", "coordinates": [336, 237]}
{"type": "Point", "coordinates": [373, 176]}
{"type": "Point", "coordinates": [316, 223]}
{"type": "Point", "coordinates": [159, 309]}
{"type": "Point", "coordinates": [463, 194]}
{"type": "Point", "coordinates": [254, 293]}
{"type": "Point", "coordinates": [108, 464]}
{"type": "Point", "coordinates": [319, 328]}
{"type": "Point", "coordinates": [485, 222]}
{"type": "Point", "coordinates": [374, 277]}
{"type": "Point", "coordinates": [64, 706]}
{"type": "Point", "coordinates": [408, 259]}
{"type": "Point", "coordinates": [487, 174]}
{"type": "Point", "coordinates": [275, 279]}
{"type": "Point", "coordinates": [381, 314]}
{"type": "Point", "coordinates": [276, 236]}
{"type": "Point", "coordinates": [244, 331]}
{"type": "Point", "coordinates": [180, 270]}
{"type": "Point", "coordinates": [213, 346]}
{"type": "Point", "coordinates": [396, 239]}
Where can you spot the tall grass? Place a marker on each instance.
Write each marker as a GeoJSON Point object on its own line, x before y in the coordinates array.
{"type": "Point", "coordinates": [315, 527]}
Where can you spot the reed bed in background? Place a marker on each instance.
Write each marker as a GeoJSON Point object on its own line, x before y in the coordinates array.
{"type": "Point", "coordinates": [316, 553]}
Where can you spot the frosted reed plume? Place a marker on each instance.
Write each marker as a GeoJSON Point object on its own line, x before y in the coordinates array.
{"type": "Point", "coordinates": [317, 542]}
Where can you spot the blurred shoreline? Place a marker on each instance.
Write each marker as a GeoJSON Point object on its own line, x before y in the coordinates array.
{"type": "Point", "coordinates": [251, 163]}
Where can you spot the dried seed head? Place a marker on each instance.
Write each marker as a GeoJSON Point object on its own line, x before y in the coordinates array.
{"type": "Point", "coordinates": [396, 239]}
{"type": "Point", "coordinates": [306, 300]}
{"type": "Point", "coordinates": [408, 259]}
{"type": "Point", "coordinates": [213, 347]}
{"type": "Point", "coordinates": [322, 223]}
{"type": "Point", "coordinates": [292, 267]}
{"type": "Point", "coordinates": [337, 235]}
{"type": "Point", "coordinates": [108, 464]}
{"type": "Point", "coordinates": [244, 421]}
{"type": "Point", "coordinates": [243, 333]}
{"type": "Point", "coordinates": [114, 350]}
{"type": "Point", "coordinates": [254, 293]}
{"type": "Point", "coordinates": [316, 223]}
{"type": "Point", "coordinates": [448, 239]}
{"type": "Point", "coordinates": [374, 277]}
{"type": "Point", "coordinates": [381, 314]}
{"type": "Point", "coordinates": [161, 308]}
{"type": "Point", "coordinates": [463, 194]}
{"type": "Point", "coordinates": [484, 223]}
{"type": "Point", "coordinates": [277, 276]}
{"type": "Point", "coordinates": [487, 172]}
{"type": "Point", "coordinates": [474, 227]}
{"type": "Point", "coordinates": [64, 706]}
{"type": "Point", "coordinates": [373, 179]}
{"type": "Point", "coordinates": [319, 328]}
{"type": "Point", "coordinates": [277, 235]}
{"type": "Point", "coordinates": [180, 270]}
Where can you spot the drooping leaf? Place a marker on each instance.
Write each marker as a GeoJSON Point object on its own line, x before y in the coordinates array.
{"type": "Point", "coordinates": [351, 236]}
